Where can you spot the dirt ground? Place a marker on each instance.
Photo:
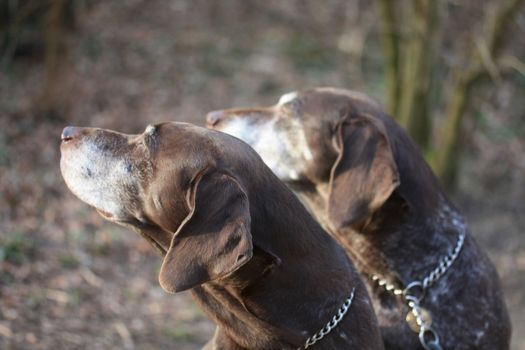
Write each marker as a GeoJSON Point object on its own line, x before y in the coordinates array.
{"type": "Point", "coordinates": [70, 280]}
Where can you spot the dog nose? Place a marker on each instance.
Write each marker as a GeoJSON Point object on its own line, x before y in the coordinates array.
{"type": "Point", "coordinates": [213, 118]}
{"type": "Point", "coordinates": [69, 133]}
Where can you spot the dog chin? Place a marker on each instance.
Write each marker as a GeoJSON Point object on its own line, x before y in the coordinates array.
{"type": "Point", "coordinates": [100, 200]}
{"type": "Point", "coordinates": [106, 215]}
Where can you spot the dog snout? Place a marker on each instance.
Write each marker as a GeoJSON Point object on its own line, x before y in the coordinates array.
{"type": "Point", "coordinates": [213, 118]}
{"type": "Point", "coordinates": [70, 132]}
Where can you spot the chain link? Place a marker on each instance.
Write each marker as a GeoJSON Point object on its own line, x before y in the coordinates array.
{"type": "Point", "coordinates": [330, 325]}
{"type": "Point", "coordinates": [414, 292]}
{"type": "Point", "coordinates": [427, 335]}
{"type": "Point", "coordinates": [445, 263]}
{"type": "Point", "coordinates": [387, 285]}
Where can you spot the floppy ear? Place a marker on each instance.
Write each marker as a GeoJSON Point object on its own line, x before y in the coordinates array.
{"type": "Point", "coordinates": [364, 173]}
{"type": "Point", "coordinates": [214, 240]}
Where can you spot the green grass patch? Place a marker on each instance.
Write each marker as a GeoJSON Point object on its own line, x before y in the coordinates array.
{"type": "Point", "coordinates": [178, 333]}
{"type": "Point", "coordinates": [69, 261]}
{"type": "Point", "coordinates": [16, 248]}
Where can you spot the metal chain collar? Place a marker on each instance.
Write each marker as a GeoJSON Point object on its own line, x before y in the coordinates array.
{"type": "Point", "coordinates": [414, 292]}
{"type": "Point", "coordinates": [330, 325]}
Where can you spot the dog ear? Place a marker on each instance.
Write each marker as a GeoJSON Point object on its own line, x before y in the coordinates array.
{"type": "Point", "coordinates": [364, 173]}
{"type": "Point", "coordinates": [214, 240]}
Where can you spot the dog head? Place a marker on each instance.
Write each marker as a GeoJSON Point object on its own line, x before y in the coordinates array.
{"type": "Point", "coordinates": [323, 136]}
{"type": "Point", "coordinates": [173, 185]}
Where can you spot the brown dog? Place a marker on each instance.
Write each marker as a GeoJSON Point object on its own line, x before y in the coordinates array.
{"type": "Point", "coordinates": [255, 260]}
{"type": "Point", "coordinates": [366, 182]}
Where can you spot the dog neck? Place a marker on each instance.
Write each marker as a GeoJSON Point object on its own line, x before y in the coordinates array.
{"type": "Point", "coordinates": [225, 303]}
{"type": "Point", "coordinates": [409, 242]}
{"type": "Point", "coordinates": [399, 242]}
{"type": "Point", "coordinates": [245, 304]}
{"type": "Point", "coordinates": [417, 224]}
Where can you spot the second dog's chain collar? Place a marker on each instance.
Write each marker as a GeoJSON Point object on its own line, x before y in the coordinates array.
{"type": "Point", "coordinates": [418, 318]}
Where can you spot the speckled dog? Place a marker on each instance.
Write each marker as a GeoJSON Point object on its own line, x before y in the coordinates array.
{"type": "Point", "coordinates": [366, 182]}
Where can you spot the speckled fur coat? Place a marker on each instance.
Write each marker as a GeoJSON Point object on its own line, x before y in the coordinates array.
{"type": "Point", "coordinates": [366, 182]}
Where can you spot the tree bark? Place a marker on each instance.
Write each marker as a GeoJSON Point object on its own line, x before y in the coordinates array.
{"type": "Point", "coordinates": [390, 44]}
{"type": "Point", "coordinates": [417, 70]}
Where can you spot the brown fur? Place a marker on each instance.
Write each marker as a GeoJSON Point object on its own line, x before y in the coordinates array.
{"type": "Point", "coordinates": [256, 262]}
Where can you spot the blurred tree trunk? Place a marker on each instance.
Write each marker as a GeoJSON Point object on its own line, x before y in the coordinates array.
{"type": "Point", "coordinates": [483, 62]}
{"type": "Point", "coordinates": [417, 71]}
{"type": "Point", "coordinates": [448, 154]}
{"type": "Point", "coordinates": [409, 70]}
{"type": "Point", "coordinates": [39, 29]}
{"type": "Point", "coordinates": [390, 41]}
{"type": "Point", "coordinates": [58, 19]}
{"type": "Point", "coordinates": [16, 15]}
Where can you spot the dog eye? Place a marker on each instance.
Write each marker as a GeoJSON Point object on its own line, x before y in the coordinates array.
{"type": "Point", "coordinates": [294, 105]}
{"type": "Point", "coordinates": [128, 168]}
